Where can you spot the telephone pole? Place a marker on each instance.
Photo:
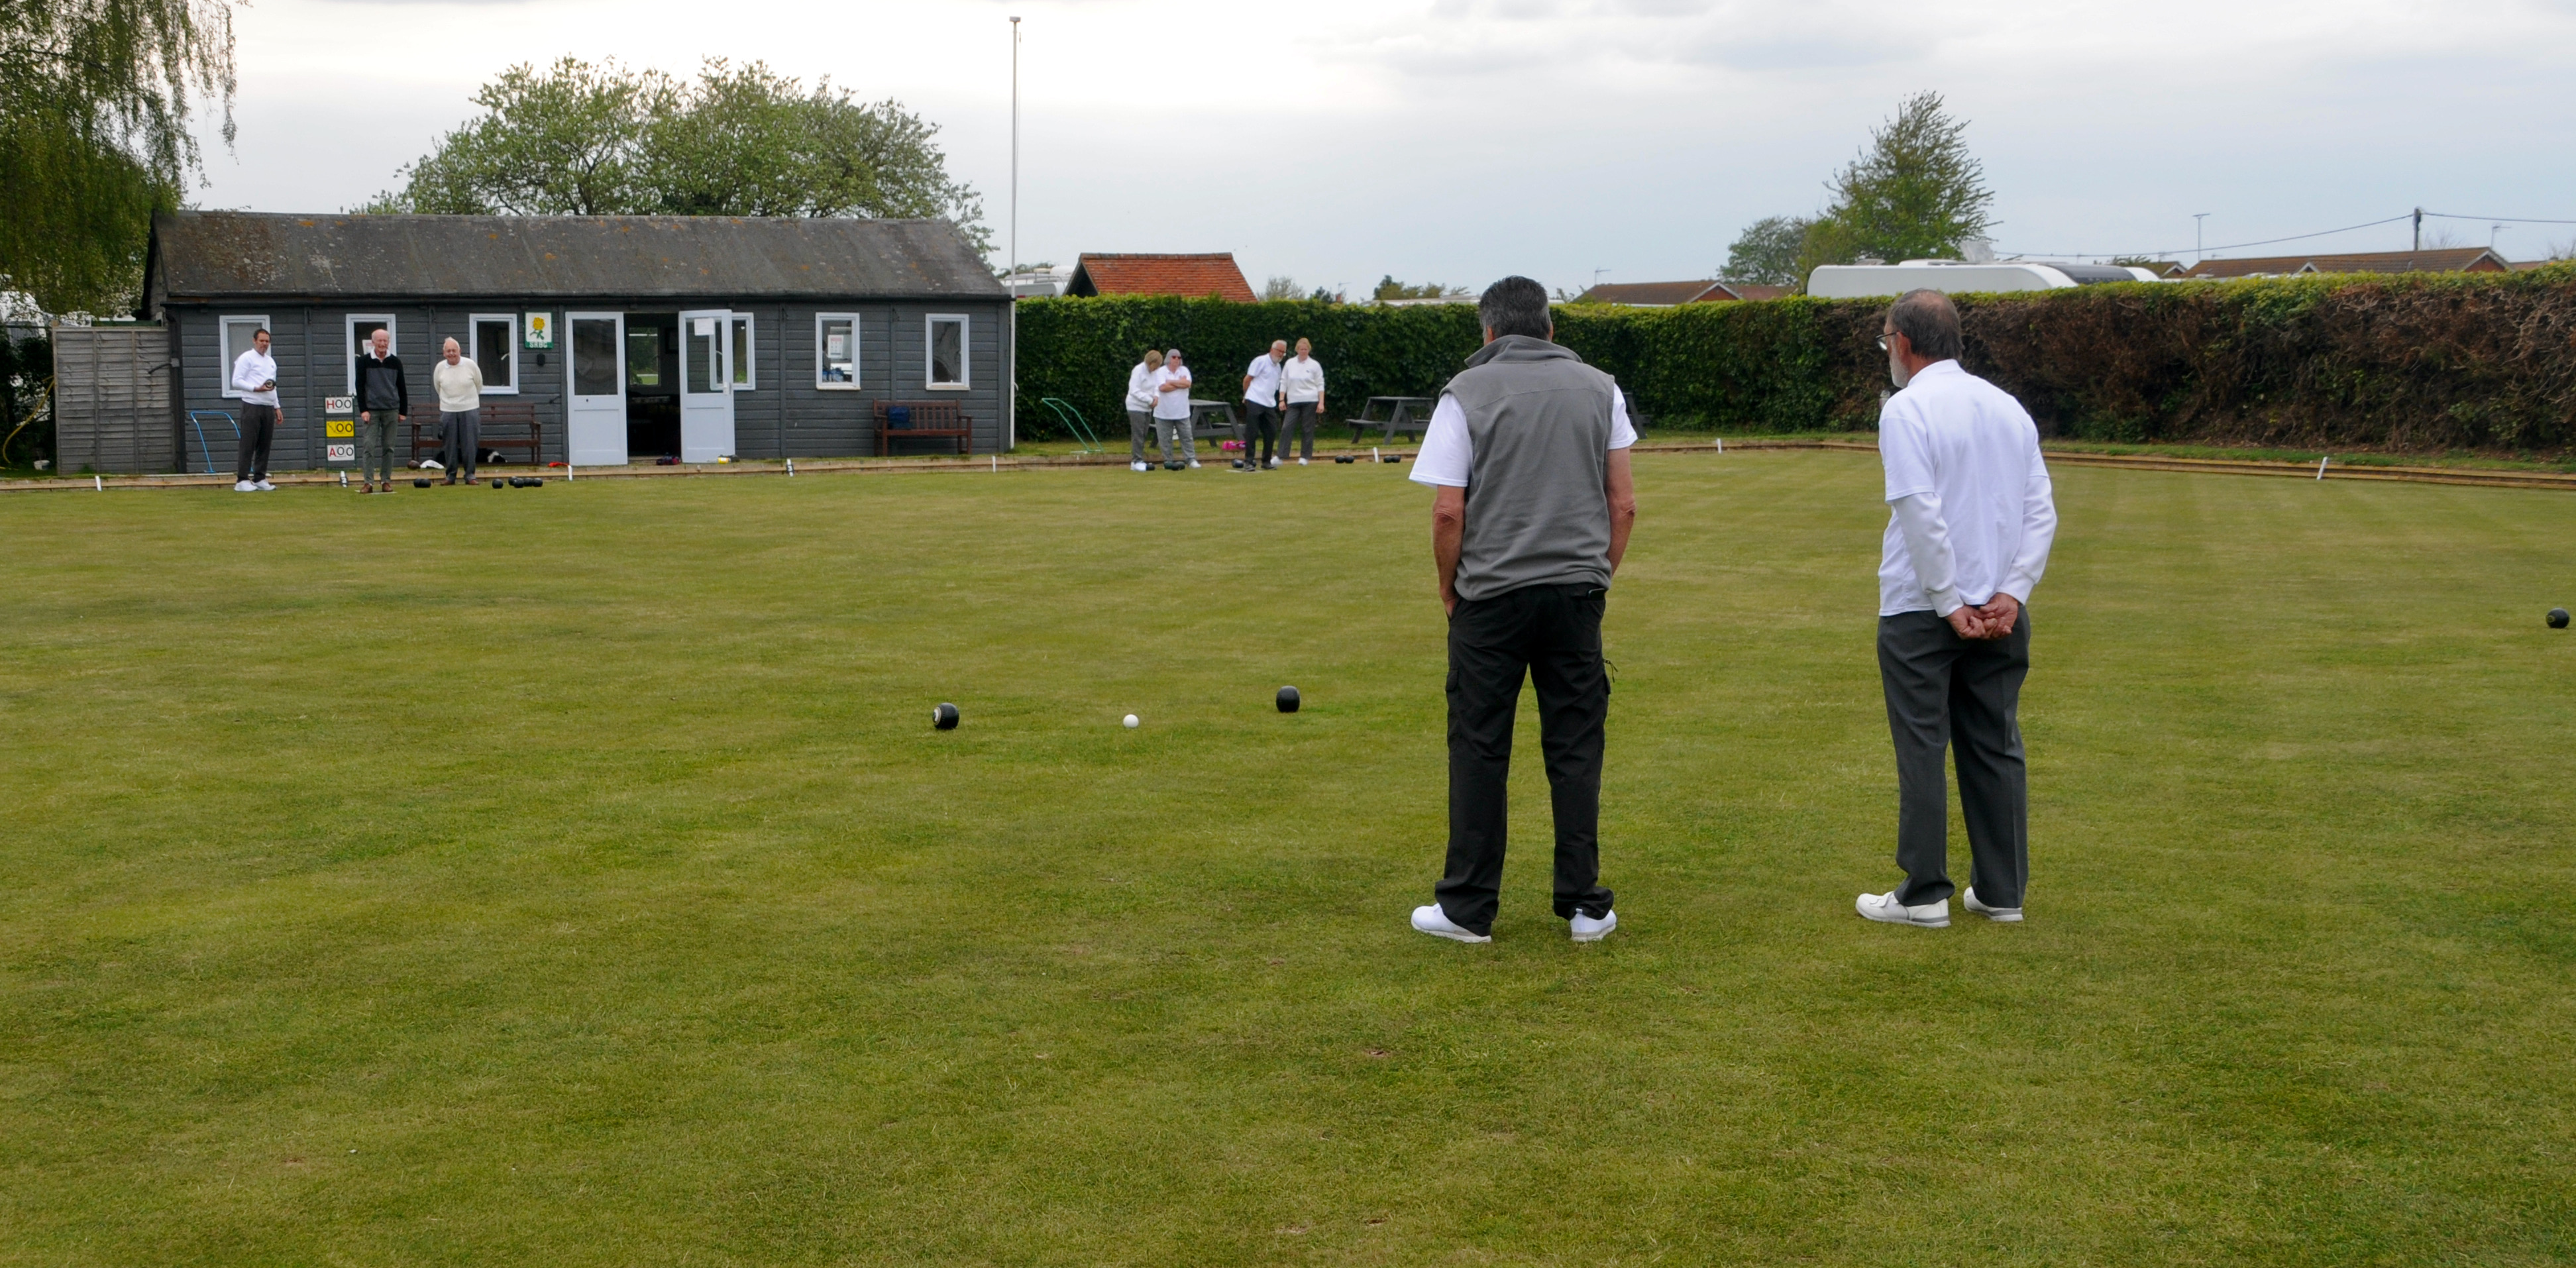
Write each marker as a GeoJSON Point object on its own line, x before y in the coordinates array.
{"type": "Point", "coordinates": [1011, 266]}
{"type": "Point", "coordinates": [2419, 228]}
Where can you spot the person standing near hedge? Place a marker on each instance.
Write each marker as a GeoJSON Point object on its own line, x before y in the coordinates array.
{"type": "Point", "coordinates": [1261, 408]}
{"type": "Point", "coordinates": [384, 399]}
{"type": "Point", "coordinates": [255, 377]}
{"type": "Point", "coordinates": [1301, 381]}
{"type": "Point", "coordinates": [1971, 519]}
{"type": "Point", "coordinates": [459, 384]}
{"type": "Point", "coordinates": [1140, 409]}
{"type": "Point", "coordinates": [1172, 408]}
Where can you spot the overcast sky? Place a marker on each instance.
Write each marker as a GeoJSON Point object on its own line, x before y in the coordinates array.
{"type": "Point", "coordinates": [1459, 140]}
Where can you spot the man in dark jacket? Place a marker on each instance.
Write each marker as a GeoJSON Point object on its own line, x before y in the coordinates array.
{"type": "Point", "coordinates": [384, 402]}
{"type": "Point", "coordinates": [1529, 451]}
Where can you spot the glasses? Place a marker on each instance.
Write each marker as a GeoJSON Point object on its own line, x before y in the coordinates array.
{"type": "Point", "coordinates": [1882, 342]}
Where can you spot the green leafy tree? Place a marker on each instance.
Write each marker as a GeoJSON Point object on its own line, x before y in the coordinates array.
{"type": "Point", "coordinates": [1389, 288]}
{"type": "Point", "coordinates": [1914, 193]}
{"type": "Point", "coordinates": [584, 139]}
{"type": "Point", "coordinates": [95, 107]}
{"type": "Point", "coordinates": [1767, 251]}
{"type": "Point", "coordinates": [1281, 288]}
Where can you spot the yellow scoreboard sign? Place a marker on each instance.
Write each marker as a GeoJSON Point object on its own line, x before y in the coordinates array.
{"type": "Point", "coordinates": [339, 427]}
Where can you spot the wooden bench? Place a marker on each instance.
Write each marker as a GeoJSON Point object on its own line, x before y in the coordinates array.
{"type": "Point", "coordinates": [931, 420]}
{"type": "Point", "coordinates": [505, 424]}
{"type": "Point", "coordinates": [1404, 415]}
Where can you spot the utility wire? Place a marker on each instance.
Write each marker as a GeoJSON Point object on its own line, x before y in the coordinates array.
{"type": "Point", "coordinates": [2236, 246]}
{"type": "Point", "coordinates": [2511, 220]}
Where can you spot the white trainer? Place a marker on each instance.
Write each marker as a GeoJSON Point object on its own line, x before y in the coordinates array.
{"type": "Point", "coordinates": [1886, 910]}
{"type": "Point", "coordinates": [1135, 466]}
{"type": "Point", "coordinates": [1194, 464]}
{"type": "Point", "coordinates": [1301, 462]}
{"type": "Point", "coordinates": [263, 486]}
{"type": "Point", "coordinates": [244, 486]}
{"type": "Point", "coordinates": [1274, 464]}
{"type": "Point", "coordinates": [1431, 920]}
{"type": "Point", "coordinates": [1586, 929]}
{"type": "Point", "coordinates": [2000, 915]}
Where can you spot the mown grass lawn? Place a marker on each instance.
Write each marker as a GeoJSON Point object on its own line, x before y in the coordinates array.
{"type": "Point", "coordinates": [571, 876]}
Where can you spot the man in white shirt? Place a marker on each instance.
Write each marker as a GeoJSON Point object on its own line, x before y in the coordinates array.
{"type": "Point", "coordinates": [1140, 409]}
{"type": "Point", "coordinates": [1172, 410]}
{"type": "Point", "coordinates": [1971, 519]}
{"type": "Point", "coordinates": [255, 377]}
{"type": "Point", "coordinates": [1261, 408]}
{"type": "Point", "coordinates": [1528, 450]}
{"type": "Point", "coordinates": [1301, 381]}
{"type": "Point", "coordinates": [459, 384]}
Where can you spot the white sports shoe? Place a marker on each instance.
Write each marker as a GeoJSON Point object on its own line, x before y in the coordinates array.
{"type": "Point", "coordinates": [1431, 920]}
{"type": "Point", "coordinates": [2000, 915]}
{"type": "Point", "coordinates": [1135, 466]}
{"type": "Point", "coordinates": [264, 486]}
{"type": "Point", "coordinates": [1586, 929]}
{"type": "Point", "coordinates": [1301, 462]}
{"type": "Point", "coordinates": [1274, 464]}
{"type": "Point", "coordinates": [1194, 464]}
{"type": "Point", "coordinates": [244, 486]}
{"type": "Point", "coordinates": [1885, 909]}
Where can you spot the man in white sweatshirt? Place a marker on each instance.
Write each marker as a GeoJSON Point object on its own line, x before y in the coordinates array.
{"type": "Point", "coordinates": [459, 384]}
{"type": "Point", "coordinates": [1140, 409]}
{"type": "Point", "coordinates": [255, 377]}
{"type": "Point", "coordinates": [1971, 520]}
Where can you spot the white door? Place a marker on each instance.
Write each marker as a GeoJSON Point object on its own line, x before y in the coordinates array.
{"type": "Point", "coordinates": [595, 417]}
{"type": "Point", "coordinates": [706, 385]}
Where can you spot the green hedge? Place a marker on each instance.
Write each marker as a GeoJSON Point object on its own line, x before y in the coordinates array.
{"type": "Point", "coordinates": [2414, 361]}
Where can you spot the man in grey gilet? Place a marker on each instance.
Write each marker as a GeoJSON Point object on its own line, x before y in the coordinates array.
{"type": "Point", "coordinates": [1529, 450]}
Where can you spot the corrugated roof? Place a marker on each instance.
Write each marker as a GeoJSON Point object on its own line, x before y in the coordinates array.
{"type": "Point", "coordinates": [1190, 276]}
{"type": "Point", "coordinates": [2439, 260]}
{"type": "Point", "coordinates": [225, 255]}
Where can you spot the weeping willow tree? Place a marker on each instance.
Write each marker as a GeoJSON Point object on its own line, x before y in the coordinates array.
{"type": "Point", "coordinates": [95, 115]}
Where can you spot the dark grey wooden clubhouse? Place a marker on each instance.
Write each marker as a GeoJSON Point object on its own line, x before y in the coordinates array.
{"type": "Point", "coordinates": [605, 339]}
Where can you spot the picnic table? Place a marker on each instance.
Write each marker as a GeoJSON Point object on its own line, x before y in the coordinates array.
{"type": "Point", "coordinates": [1408, 415]}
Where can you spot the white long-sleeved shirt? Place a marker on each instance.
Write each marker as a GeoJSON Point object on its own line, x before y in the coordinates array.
{"type": "Point", "coordinates": [1140, 387]}
{"type": "Point", "coordinates": [1971, 512]}
{"type": "Point", "coordinates": [1303, 380]}
{"type": "Point", "coordinates": [250, 370]}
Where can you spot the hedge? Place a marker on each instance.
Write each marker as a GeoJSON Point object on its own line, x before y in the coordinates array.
{"type": "Point", "coordinates": [2411, 361]}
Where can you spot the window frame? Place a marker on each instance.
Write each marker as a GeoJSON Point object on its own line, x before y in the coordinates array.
{"type": "Point", "coordinates": [226, 352]}
{"type": "Point", "coordinates": [965, 351]}
{"type": "Point", "coordinates": [491, 388]}
{"type": "Point", "coordinates": [745, 377]}
{"type": "Point", "coordinates": [349, 346]}
{"type": "Point", "coordinates": [858, 368]}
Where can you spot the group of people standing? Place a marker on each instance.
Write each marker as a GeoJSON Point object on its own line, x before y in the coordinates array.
{"type": "Point", "coordinates": [383, 401]}
{"type": "Point", "coordinates": [1283, 396]}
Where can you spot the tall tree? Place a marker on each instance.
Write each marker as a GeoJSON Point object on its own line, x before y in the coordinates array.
{"type": "Point", "coordinates": [584, 139]}
{"type": "Point", "coordinates": [1914, 193]}
{"type": "Point", "coordinates": [95, 106]}
{"type": "Point", "coordinates": [1767, 251]}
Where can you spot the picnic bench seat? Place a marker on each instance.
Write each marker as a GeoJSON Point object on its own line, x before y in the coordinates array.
{"type": "Point", "coordinates": [929, 420]}
{"type": "Point", "coordinates": [1402, 415]}
{"type": "Point", "coordinates": [504, 425]}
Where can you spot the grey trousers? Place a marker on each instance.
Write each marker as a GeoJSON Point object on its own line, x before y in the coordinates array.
{"type": "Point", "coordinates": [1298, 428]}
{"type": "Point", "coordinates": [1166, 429]}
{"type": "Point", "coordinates": [1140, 428]}
{"type": "Point", "coordinates": [462, 441]}
{"type": "Point", "coordinates": [376, 445]}
{"type": "Point", "coordinates": [1944, 691]}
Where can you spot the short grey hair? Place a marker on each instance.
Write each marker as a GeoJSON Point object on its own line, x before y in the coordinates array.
{"type": "Point", "coordinates": [1516, 306]}
{"type": "Point", "coordinates": [1930, 322]}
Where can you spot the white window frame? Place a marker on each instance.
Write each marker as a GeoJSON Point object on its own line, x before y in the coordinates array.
{"type": "Point", "coordinates": [745, 377]}
{"type": "Point", "coordinates": [965, 351]}
{"type": "Point", "coordinates": [858, 370]}
{"type": "Point", "coordinates": [224, 347]}
{"type": "Point", "coordinates": [349, 343]}
{"type": "Point", "coordinates": [491, 388]}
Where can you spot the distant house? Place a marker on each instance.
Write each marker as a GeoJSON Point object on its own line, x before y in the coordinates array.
{"type": "Point", "coordinates": [1669, 294]}
{"type": "Point", "coordinates": [1041, 283]}
{"type": "Point", "coordinates": [2438, 260]}
{"type": "Point", "coordinates": [1188, 276]}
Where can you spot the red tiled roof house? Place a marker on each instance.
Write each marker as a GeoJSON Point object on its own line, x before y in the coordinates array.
{"type": "Point", "coordinates": [1188, 276]}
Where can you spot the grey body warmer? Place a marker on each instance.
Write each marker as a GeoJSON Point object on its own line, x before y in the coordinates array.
{"type": "Point", "coordinates": [1538, 420]}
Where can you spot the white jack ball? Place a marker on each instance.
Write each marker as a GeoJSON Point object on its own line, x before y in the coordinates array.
{"type": "Point", "coordinates": [1132, 724]}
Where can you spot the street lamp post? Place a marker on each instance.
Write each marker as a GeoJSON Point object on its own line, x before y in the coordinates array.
{"type": "Point", "coordinates": [1011, 266]}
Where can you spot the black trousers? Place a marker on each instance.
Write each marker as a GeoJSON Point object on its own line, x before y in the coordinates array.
{"type": "Point", "coordinates": [1944, 691]}
{"type": "Point", "coordinates": [1553, 633]}
{"type": "Point", "coordinates": [258, 432]}
{"type": "Point", "coordinates": [1298, 428]}
{"type": "Point", "coordinates": [1260, 432]}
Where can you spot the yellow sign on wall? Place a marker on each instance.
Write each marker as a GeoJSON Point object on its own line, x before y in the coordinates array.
{"type": "Point", "coordinates": [339, 427]}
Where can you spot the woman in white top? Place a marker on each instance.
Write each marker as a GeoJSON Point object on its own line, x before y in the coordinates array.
{"type": "Point", "coordinates": [1172, 409]}
{"type": "Point", "coordinates": [1140, 409]}
{"type": "Point", "coordinates": [1301, 380]}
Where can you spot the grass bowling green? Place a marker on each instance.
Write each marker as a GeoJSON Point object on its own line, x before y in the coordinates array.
{"type": "Point", "coordinates": [576, 878]}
